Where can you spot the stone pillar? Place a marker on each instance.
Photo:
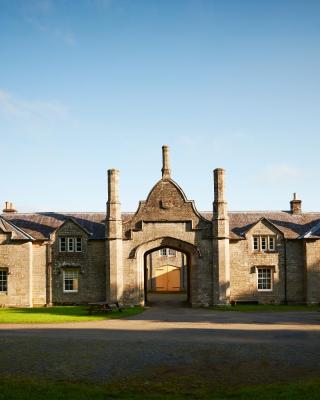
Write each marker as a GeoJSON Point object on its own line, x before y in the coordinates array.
{"type": "Point", "coordinates": [221, 252]}
{"type": "Point", "coordinates": [165, 162]}
{"type": "Point", "coordinates": [114, 265]}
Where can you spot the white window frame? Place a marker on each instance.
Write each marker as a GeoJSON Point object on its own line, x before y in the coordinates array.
{"type": "Point", "coordinates": [167, 252]}
{"type": "Point", "coordinates": [263, 243]}
{"type": "Point", "coordinates": [271, 271]}
{"type": "Point", "coordinates": [61, 238]}
{"type": "Point", "coordinates": [171, 252]}
{"type": "Point", "coordinates": [76, 276]}
{"type": "Point", "coordinates": [257, 239]}
{"type": "Point", "coordinates": [78, 241]}
{"type": "Point", "coordinates": [273, 239]}
{"type": "Point", "coordinates": [70, 244]}
{"type": "Point", "coordinates": [4, 281]}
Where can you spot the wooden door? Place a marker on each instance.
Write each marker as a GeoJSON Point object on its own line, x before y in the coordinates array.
{"type": "Point", "coordinates": [167, 278]}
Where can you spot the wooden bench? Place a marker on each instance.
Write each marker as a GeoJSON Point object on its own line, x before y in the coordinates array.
{"type": "Point", "coordinates": [103, 307]}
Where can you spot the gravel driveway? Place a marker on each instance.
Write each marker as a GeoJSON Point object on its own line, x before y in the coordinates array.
{"type": "Point", "coordinates": [229, 347]}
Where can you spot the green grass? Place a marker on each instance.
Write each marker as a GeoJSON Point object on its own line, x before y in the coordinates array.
{"type": "Point", "coordinates": [266, 308]}
{"type": "Point", "coordinates": [56, 314]}
{"type": "Point", "coordinates": [13, 389]}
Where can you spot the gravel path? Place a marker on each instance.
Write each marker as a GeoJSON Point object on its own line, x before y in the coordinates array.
{"type": "Point", "coordinates": [230, 347]}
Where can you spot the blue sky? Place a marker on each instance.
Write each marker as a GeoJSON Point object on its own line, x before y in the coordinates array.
{"type": "Point", "coordinates": [90, 85]}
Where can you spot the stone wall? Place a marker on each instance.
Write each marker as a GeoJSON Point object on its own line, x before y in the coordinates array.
{"type": "Point", "coordinates": [245, 261]}
{"type": "Point", "coordinates": [39, 273]}
{"type": "Point", "coordinates": [296, 275]}
{"type": "Point", "coordinates": [15, 258]}
{"type": "Point", "coordinates": [312, 264]}
{"type": "Point", "coordinates": [90, 264]}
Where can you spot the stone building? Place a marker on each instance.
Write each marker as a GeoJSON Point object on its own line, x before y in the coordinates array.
{"type": "Point", "coordinates": [166, 245]}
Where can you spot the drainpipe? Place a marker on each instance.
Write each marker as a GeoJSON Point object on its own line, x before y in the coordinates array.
{"type": "Point", "coordinates": [285, 272]}
{"type": "Point", "coordinates": [30, 274]}
{"type": "Point", "coordinates": [49, 275]}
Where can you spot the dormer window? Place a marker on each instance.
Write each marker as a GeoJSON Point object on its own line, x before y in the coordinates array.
{"type": "Point", "coordinates": [264, 243]}
{"type": "Point", "coordinates": [70, 244]}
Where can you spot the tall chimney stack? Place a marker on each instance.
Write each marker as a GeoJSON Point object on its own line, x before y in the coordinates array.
{"type": "Point", "coordinates": [221, 250]}
{"type": "Point", "coordinates": [220, 205]}
{"type": "Point", "coordinates": [114, 262]}
{"type": "Point", "coordinates": [165, 162]}
{"type": "Point", "coordinates": [295, 205]}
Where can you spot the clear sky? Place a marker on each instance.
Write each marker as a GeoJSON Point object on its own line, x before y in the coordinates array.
{"type": "Point", "coordinates": [89, 85]}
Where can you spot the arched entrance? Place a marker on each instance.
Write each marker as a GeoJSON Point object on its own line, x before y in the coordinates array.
{"type": "Point", "coordinates": [168, 277]}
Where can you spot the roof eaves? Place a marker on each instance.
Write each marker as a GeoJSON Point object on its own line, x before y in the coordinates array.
{"type": "Point", "coordinates": [310, 233]}
{"type": "Point", "coordinates": [16, 228]}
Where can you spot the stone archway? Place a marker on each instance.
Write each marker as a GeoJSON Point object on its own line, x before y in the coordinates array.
{"type": "Point", "coordinates": [142, 251]}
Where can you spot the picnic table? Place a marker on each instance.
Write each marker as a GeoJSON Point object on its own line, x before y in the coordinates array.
{"type": "Point", "coordinates": [104, 307]}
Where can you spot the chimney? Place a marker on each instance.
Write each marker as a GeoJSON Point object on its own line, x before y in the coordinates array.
{"type": "Point", "coordinates": [295, 205]}
{"type": "Point", "coordinates": [165, 162]}
{"type": "Point", "coordinates": [220, 205]}
{"type": "Point", "coordinates": [9, 207]}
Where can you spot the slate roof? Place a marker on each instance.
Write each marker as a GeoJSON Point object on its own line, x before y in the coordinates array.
{"type": "Point", "coordinates": [17, 234]}
{"type": "Point", "coordinates": [293, 226]}
{"type": "Point", "coordinates": [41, 225]}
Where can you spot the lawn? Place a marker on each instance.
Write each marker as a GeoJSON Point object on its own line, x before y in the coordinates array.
{"type": "Point", "coordinates": [12, 389]}
{"type": "Point", "coordinates": [266, 308]}
{"type": "Point", "coordinates": [56, 314]}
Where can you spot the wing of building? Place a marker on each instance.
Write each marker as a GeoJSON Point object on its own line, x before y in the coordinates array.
{"type": "Point", "coordinates": [166, 245]}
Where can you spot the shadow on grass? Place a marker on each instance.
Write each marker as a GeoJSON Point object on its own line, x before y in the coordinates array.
{"type": "Point", "coordinates": [60, 314]}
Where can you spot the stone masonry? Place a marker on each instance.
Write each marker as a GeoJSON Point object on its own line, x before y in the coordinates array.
{"type": "Point", "coordinates": [223, 256]}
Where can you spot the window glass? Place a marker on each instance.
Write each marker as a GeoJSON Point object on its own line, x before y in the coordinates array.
{"type": "Point", "coordinates": [70, 280]}
{"type": "Point", "coordinates": [263, 243]}
{"type": "Point", "coordinates": [172, 252]}
{"type": "Point", "coordinates": [62, 244]}
{"type": "Point", "coordinates": [78, 244]}
{"type": "Point", "coordinates": [70, 244]}
{"type": "Point", "coordinates": [3, 280]}
{"type": "Point", "coordinates": [163, 252]}
{"type": "Point", "coordinates": [255, 243]}
{"type": "Point", "coordinates": [271, 243]}
{"type": "Point", "coordinates": [264, 279]}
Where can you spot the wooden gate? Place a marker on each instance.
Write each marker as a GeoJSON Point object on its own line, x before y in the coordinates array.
{"type": "Point", "coordinates": [167, 278]}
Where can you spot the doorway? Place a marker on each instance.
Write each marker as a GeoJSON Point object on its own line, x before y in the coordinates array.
{"type": "Point", "coordinates": [166, 276]}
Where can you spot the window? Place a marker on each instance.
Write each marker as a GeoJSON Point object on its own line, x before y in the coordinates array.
{"type": "Point", "coordinates": [62, 244]}
{"type": "Point", "coordinates": [78, 244]}
{"type": "Point", "coordinates": [271, 243]}
{"type": "Point", "coordinates": [167, 252]}
{"type": "Point", "coordinates": [3, 280]}
{"type": "Point", "coordinates": [264, 243]}
{"type": "Point", "coordinates": [70, 244]}
{"type": "Point", "coordinates": [264, 279]}
{"type": "Point", "coordinates": [70, 280]}
{"type": "Point", "coordinates": [163, 252]}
